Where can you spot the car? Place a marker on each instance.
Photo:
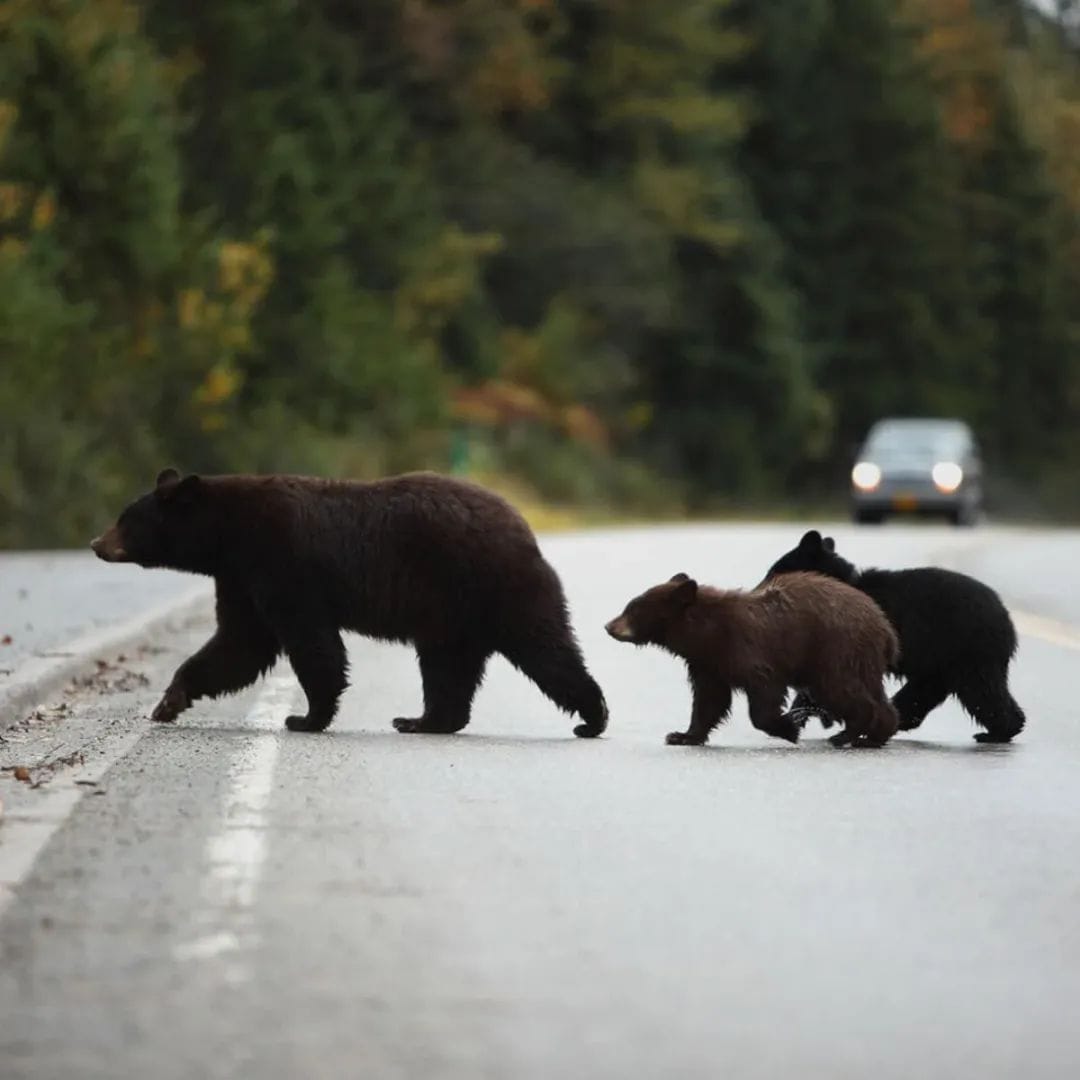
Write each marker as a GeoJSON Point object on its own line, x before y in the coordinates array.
{"type": "Point", "coordinates": [915, 465]}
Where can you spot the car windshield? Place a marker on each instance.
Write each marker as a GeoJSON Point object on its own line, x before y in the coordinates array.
{"type": "Point", "coordinates": [917, 438]}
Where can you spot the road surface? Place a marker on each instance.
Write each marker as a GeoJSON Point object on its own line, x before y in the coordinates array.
{"type": "Point", "coordinates": [47, 599]}
{"type": "Point", "coordinates": [224, 899]}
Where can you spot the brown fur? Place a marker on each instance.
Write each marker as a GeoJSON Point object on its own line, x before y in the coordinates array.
{"type": "Point", "coordinates": [802, 630]}
{"type": "Point", "coordinates": [439, 563]}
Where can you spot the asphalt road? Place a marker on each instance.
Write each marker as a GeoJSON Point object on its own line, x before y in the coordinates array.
{"type": "Point", "coordinates": [224, 899]}
{"type": "Point", "coordinates": [49, 598]}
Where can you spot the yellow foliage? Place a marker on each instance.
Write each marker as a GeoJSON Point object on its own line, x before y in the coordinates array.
{"type": "Point", "coordinates": [179, 68]}
{"type": "Point", "coordinates": [220, 384]}
{"type": "Point", "coordinates": [44, 212]}
{"type": "Point", "coordinates": [189, 308]}
{"type": "Point", "coordinates": [639, 416]}
{"type": "Point", "coordinates": [442, 279]}
{"type": "Point", "coordinates": [12, 197]}
{"type": "Point", "coordinates": [244, 269]}
{"type": "Point", "coordinates": [212, 422]}
{"type": "Point", "coordinates": [142, 346]}
{"type": "Point", "coordinates": [91, 23]}
{"type": "Point", "coordinates": [680, 196]}
{"type": "Point", "coordinates": [522, 352]}
{"type": "Point", "coordinates": [9, 113]}
{"type": "Point", "coordinates": [119, 75]}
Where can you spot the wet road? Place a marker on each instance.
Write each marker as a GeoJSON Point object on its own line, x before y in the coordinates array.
{"type": "Point", "coordinates": [231, 900]}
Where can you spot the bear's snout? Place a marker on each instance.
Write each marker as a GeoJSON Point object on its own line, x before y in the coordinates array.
{"type": "Point", "coordinates": [109, 547]}
{"type": "Point", "coordinates": [619, 629]}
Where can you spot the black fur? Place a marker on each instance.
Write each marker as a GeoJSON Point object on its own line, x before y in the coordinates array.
{"type": "Point", "coordinates": [956, 637]}
{"type": "Point", "coordinates": [444, 565]}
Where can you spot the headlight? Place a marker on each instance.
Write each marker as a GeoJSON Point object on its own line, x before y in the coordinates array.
{"type": "Point", "coordinates": [866, 476]}
{"type": "Point", "coordinates": [947, 476]}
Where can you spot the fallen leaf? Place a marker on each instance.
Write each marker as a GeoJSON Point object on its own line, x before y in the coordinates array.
{"type": "Point", "coordinates": [6, 639]}
{"type": "Point", "coordinates": [21, 772]}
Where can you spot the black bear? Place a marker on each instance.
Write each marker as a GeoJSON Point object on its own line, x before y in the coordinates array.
{"type": "Point", "coordinates": [956, 637]}
{"type": "Point", "coordinates": [442, 564]}
{"type": "Point", "coordinates": [802, 630]}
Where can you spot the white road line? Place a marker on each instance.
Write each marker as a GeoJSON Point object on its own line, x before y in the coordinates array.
{"type": "Point", "coordinates": [25, 830]}
{"type": "Point", "coordinates": [234, 855]}
{"type": "Point", "coordinates": [1049, 630]}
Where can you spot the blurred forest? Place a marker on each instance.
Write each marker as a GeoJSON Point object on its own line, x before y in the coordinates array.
{"type": "Point", "coordinates": [641, 255]}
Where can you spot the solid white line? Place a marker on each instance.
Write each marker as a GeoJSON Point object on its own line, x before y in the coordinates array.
{"type": "Point", "coordinates": [234, 855]}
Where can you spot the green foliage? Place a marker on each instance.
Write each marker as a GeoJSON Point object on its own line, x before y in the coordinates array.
{"type": "Point", "coordinates": [634, 254]}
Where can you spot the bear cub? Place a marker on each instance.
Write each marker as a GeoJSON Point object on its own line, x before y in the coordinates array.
{"type": "Point", "coordinates": [956, 637]}
{"type": "Point", "coordinates": [444, 565]}
{"type": "Point", "coordinates": [802, 630]}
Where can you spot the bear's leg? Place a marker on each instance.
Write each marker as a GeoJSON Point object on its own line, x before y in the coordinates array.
{"type": "Point", "coordinates": [885, 721]}
{"type": "Point", "coordinates": [712, 703]}
{"type": "Point", "coordinates": [918, 697]}
{"type": "Point", "coordinates": [767, 713]}
{"type": "Point", "coordinates": [317, 655]}
{"type": "Point", "coordinates": [985, 695]}
{"type": "Point", "coordinates": [451, 675]}
{"type": "Point", "coordinates": [548, 654]}
{"type": "Point", "coordinates": [870, 719]}
{"type": "Point", "coordinates": [242, 649]}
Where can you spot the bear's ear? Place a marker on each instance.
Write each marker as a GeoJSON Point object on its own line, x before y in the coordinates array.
{"type": "Point", "coordinates": [179, 492]}
{"type": "Point", "coordinates": [676, 579]}
{"type": "Point", "coordinates": [166, 477]}
{"type": "Point", "coordinates": [829, 544]}
{"type": "Point", "coordinates": [685, 591]}
{"type": "Point", "coordinates": [811, 541]}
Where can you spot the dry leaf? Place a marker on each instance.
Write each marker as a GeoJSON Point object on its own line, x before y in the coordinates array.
{"type": "Point", "coordinates": [21, 772]}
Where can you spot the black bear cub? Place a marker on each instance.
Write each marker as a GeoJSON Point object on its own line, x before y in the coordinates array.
{"type": "Point", "coordinates": [956, 637]}
{"type": "Point", "coordinates": [439, 563]}
{"type": "Point", "coordinates": [802, 630]}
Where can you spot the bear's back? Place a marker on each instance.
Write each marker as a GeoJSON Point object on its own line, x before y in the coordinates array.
{"type": "Point", "coordinates": [416, 554]}
{"type": "Point", "coordinates": [807, 620]}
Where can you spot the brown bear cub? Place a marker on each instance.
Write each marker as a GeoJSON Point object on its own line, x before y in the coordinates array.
{"type": "Point", "coordinates": [444, 565]}
{"type": "Point", "coordinates": [800, 630]}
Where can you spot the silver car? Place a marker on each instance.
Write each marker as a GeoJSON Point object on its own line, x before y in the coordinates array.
{"type": "Point", "coordinates": [918, 466]}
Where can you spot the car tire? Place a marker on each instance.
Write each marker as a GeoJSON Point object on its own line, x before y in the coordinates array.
{"type": "Point", "coordinates": [868, 517]}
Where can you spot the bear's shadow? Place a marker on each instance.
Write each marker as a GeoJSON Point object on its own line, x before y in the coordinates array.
{"type": "Point", "coordinates": [493, 739]}
{"type": "Point", "coordinates": [368, 735]}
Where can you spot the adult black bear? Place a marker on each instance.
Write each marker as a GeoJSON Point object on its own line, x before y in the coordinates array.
{"type": "Point", "coordinates": [421, 558]}
{"type": "Point", "coordinates": [956, 637]}
{"type": "Point", "coordinates": [802, 630]}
